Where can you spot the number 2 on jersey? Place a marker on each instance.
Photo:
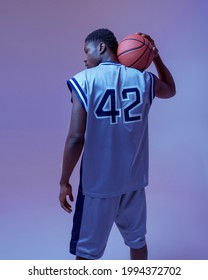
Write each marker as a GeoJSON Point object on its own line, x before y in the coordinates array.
{"type": "Point", "coordinates": [107, 108]}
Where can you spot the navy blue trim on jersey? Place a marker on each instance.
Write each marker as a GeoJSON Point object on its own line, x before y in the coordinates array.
{"type": "Point", "coordinates": [70, 88]}
{"type": "Point", "coordinates": [110, 63]}
{"type": "Point", "coordinates": [152, 88]}
{"type": "Point", "coordinates": [74, 85]}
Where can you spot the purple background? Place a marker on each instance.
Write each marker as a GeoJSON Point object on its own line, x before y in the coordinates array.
{"type": "Point", "coordinates": [41, 46]}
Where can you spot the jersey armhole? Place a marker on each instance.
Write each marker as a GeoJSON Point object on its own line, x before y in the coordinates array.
{"type": "Point", "coordinates": [152, 87]}
{"type": "Point", "coordinates": [75, 87]}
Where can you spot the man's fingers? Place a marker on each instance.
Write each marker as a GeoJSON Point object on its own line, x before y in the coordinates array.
{"type": "Point", "coordinates": [66, 206]}
{"type": "Point", "coordinates": [66, 195]}
{"type": "Point", "coordinates": [147, 36]}
{"type": "Point", "coordinates": [64, 203]}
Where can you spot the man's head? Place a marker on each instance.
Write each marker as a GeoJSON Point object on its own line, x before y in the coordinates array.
{"type": "Point", "coordinates": [100, 45]}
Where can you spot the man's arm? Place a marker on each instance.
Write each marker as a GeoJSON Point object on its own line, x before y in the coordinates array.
{"type": "Point", "coordinates": [164, 85]}
{"type": "Point", "coordinates": [72, 151]}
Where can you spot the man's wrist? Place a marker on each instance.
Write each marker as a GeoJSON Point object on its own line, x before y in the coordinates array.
{"type": "Point", "coordinates": [63, 182]}
{"type": "Point", "coordinates": [157, 60]}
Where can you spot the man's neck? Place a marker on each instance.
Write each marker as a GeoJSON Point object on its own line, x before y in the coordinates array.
{"type": "Point", "coordinates": [109, 57]}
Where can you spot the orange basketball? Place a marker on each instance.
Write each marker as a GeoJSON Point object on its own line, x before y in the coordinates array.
{"type": "Point", "coordinates": [135, 51]}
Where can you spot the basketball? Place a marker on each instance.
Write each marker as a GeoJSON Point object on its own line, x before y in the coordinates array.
{"type": "Point", "coordinates": [135, 51]}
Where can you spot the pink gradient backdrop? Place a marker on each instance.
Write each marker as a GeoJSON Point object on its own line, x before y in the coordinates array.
{"type": "Point", "coordinates": [41, 46]}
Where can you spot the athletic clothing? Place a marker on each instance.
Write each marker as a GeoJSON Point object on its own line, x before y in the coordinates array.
{"type": "Point", "coordinates": [117, 100]}
{"type": "Point", "coordinates": [94, 217]}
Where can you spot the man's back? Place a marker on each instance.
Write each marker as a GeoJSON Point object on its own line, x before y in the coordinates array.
{"type": "Point", "coordinates": [117, 100]}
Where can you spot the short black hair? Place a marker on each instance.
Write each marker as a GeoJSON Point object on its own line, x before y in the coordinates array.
{"type": "Point", "coordinates": [106, 36]}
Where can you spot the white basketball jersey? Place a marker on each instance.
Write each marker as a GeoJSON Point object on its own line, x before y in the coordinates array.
{"type": "Point", "coordinates": [117, 101]}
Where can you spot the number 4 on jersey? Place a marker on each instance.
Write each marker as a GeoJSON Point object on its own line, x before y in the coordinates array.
{"type": "Point", "coordinates": [103, 111]}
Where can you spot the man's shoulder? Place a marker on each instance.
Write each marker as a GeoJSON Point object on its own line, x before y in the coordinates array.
{"type": "Point", "coordinates": [86, 73]}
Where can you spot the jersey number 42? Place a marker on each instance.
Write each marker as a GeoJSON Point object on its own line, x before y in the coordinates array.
{"type": "Point", "coordinates": [109, 107]}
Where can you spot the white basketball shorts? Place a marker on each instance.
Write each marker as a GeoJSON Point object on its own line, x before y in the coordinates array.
{"type": "Point", "coordinates": [94, 218]}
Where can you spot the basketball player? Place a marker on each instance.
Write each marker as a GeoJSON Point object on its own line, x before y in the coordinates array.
{"type": "Point", "coordinates": [109, 122]}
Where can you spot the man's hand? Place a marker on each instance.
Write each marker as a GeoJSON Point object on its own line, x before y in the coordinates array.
{"type": "Point", "coordinates": [156, 52]}
{"type": "Point", "coordinates": [66, 191]}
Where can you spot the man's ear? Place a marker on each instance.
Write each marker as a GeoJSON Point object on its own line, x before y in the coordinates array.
{"type": "Point", "coordinates": [102, 47]}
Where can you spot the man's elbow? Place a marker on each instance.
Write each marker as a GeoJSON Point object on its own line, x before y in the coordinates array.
{"type": "Point", "coordinates": [166, 92]}
{"type": "Point", "coordinates": [171, 93]}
